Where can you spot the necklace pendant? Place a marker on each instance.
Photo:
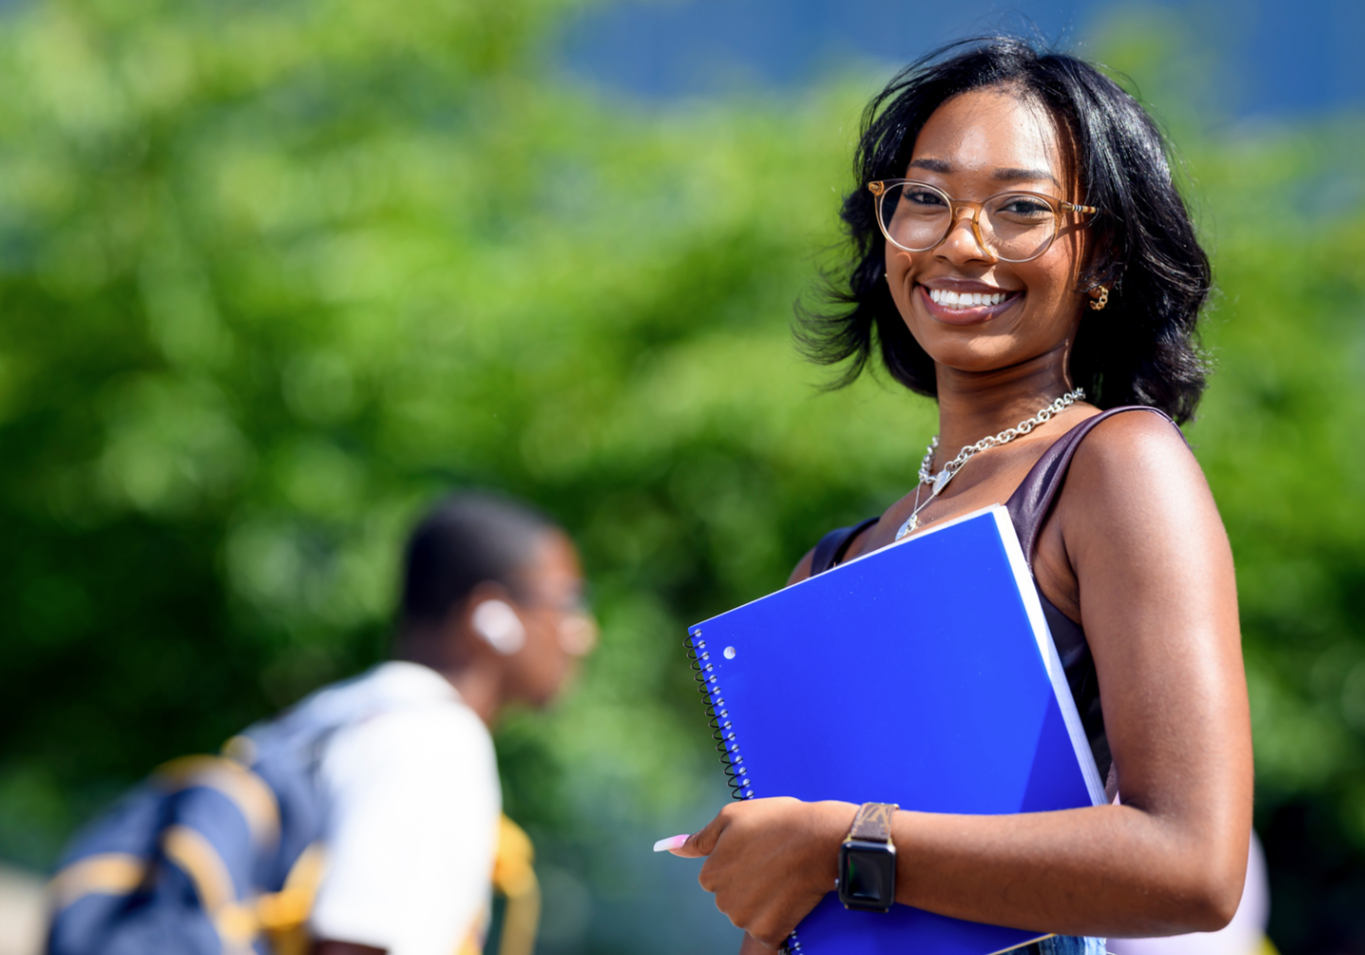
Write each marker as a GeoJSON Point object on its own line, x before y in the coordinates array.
{"type": "Point", "coordinates": [939, 481]}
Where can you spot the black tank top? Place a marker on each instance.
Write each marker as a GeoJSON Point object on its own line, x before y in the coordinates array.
{"type": "Point", "coordinates": [1029, 507]}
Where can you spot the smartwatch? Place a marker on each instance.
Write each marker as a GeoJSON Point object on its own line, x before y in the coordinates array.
{"type": "Point", "coordinates": [867, 860]}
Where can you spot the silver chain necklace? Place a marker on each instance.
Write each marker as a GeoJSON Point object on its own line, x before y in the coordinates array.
{"type": "Point", "coordinates": [937, 482]}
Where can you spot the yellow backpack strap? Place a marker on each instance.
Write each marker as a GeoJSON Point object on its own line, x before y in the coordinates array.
{"type": "Point", "coordinates": [514, 878]}
{"type": "Point", "coordinates": [109, 873]}
{"type": "Point", "coordinates": [247, 791]}
{"type": "Point", "coordinates": [282, 916]}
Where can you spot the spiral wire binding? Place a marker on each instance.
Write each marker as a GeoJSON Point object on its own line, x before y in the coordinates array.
{"type": "Point", "coordinates": [736, 776]}
{"type": "Point", "coordinates": [703, 671]}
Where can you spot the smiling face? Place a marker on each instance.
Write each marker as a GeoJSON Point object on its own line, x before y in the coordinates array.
{"type": "Point", "coordinates": [974, 146]}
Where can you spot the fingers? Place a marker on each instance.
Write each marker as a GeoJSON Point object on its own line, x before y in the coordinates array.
{"type": "Point", "coordinates": [698, 844]}
{"type": "Point", "coordinates": [765, 863]}
{"type": "Point", "coordinates": [671, 843]}
{"type": "Point", "coordinates": [753, 946]}
{"type": "Point", "coordinates": [765, 936]}
{"type": "Point", "coordinates": [701, 842]}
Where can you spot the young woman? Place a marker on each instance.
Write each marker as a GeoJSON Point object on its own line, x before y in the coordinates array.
{"type": "Point", "coordinates": [1022, 256]}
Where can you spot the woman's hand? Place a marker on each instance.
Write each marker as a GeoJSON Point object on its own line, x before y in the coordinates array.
{"type": "Point", "coordinates": [770, 861]}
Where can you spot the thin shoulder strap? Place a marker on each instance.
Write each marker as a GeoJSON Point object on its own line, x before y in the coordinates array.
{"type": "Point", "coordinates": [834, 545]}
{"type": "Point", "coordinates": [1032, 500]}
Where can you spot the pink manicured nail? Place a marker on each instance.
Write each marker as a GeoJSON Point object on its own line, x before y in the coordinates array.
{"type": "Point", "coordinates": [671, 843]}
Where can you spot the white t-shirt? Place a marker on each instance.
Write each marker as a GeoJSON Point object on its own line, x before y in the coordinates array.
{"type": "Point", "coordinates": [412, 809]}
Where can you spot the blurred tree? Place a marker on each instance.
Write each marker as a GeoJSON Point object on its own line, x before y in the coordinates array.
{"type": "Point", "coordinates": [272, 275]}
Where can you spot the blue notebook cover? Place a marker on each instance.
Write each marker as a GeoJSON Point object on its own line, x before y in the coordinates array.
{"type": "Point", "coordinates": [921, 674]}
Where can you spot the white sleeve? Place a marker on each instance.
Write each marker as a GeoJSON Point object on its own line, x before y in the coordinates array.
{"type": "Point", "coordinates": [413, 806]}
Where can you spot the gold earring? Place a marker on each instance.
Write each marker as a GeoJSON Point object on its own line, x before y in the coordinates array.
{"type": "Point", "coordinates": [1101, 300]}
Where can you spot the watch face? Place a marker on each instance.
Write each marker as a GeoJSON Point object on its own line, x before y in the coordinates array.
{"type": "Point", "coordinates": [867, 875]}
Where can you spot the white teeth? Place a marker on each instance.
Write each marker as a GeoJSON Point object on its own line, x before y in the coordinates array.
{"type": "Point", "coordinates": [951, 299]}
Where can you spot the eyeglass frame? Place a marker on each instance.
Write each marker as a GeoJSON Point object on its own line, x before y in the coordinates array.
{"type": "Point", "coordinates": [576, 610]}
{"type": "Point", "coordinates": [880, 187]}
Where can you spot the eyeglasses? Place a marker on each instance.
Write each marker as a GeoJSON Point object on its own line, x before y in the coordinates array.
{"type": "Point", "coordinates": [1010, 226]}
{"type": "Point", "coordinates": [575, 624]}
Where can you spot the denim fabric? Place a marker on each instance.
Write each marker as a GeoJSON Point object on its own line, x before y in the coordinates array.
{"type": "Point", "coordinates": [1063, 945]}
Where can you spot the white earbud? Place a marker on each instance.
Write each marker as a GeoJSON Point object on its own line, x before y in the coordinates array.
{"type": "Point", "coordinates": [499, 626]}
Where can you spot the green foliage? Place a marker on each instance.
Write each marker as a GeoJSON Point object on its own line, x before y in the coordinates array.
{"type": "Point", "coordinates": [272, 280]}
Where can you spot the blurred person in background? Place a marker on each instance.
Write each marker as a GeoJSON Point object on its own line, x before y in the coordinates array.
{"type": "Point", "coordinates": [367, 818]}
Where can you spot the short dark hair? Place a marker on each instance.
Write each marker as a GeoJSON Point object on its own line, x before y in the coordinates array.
{"type": "Point", "coordinates": [467, 539]}
{"type": "Point", "coordinates": [1141, 349]}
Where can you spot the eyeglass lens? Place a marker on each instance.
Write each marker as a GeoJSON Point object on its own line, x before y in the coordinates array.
{"type": "Point", "coordinates": [1015, 227]}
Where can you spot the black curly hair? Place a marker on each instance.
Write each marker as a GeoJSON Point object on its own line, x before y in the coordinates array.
{"type": "Point", "coordinates": [1142, 348]}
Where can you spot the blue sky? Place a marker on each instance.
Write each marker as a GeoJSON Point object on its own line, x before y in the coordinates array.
{"type": "Point", "coordinates": [1259, 58]}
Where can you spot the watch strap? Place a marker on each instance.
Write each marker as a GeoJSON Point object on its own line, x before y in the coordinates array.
{"type": "Point", "coordinates": [873, 822]}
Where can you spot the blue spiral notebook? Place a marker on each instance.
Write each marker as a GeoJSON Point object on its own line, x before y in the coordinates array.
{"type": "Point", "coordinates": [921, 674]}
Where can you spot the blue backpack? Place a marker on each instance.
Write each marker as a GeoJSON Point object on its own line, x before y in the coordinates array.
{"type": "Point", "coordinates": [222, 855]}
{"type": "Point", "coordinates": [212, 854]}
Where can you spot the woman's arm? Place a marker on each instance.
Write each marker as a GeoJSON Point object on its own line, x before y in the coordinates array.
{"type": "Point", "coordinates": [1154, 584]}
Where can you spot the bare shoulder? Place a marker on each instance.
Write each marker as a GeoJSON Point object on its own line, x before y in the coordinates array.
{"type": "Point", "coordinates": [851, 548]}
{"type": "Point", "coordinates": [1129, 437]}
{"type": "Point", "coordinates": [1135, 482]}
{"type": "Point", "coordinates": [1136, 453]}
{"type": "Point", "coordinates": [802, 569]}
